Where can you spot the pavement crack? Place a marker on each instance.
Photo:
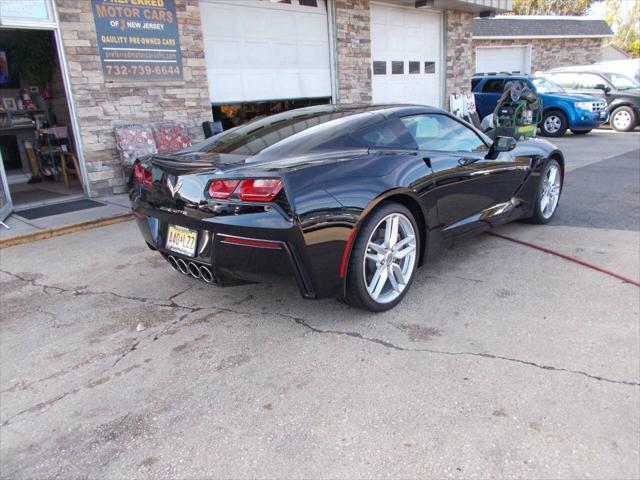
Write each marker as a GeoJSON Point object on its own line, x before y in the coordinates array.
{"type": "Point", "coordinates": [386, 344]}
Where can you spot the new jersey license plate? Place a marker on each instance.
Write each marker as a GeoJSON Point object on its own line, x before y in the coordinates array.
{"type": "Point", "coordinates": [182, 240]}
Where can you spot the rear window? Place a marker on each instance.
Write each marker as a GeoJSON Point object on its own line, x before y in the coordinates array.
{"type": "Point", "coordinates": [474, 83]}
{"type": "Point", "coordinates": [285, 129]}
{"type": "Point", "coordinates": [493, 85]}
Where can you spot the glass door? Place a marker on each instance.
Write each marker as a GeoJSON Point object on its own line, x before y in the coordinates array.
{"type": "Point", "coordinates": [6, 205]}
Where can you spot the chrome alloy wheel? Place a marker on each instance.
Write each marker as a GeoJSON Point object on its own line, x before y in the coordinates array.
{"type": "Point", "coordinates": [550, 191]}
{"type": "Point", "coordinates": [621, 120]}
{"type": "Point", "coordinates": [390, 258]}
{"type": "Point", "coordinates": [552, 124]}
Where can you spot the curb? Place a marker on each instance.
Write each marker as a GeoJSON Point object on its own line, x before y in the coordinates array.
{"type": "Point", "coordinates": [64, 230]}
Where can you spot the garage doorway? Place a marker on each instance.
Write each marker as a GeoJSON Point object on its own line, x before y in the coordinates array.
{"type": "Point", "coordinates": [512, 59]}
{"type": "Point", "coordinates": [406, 54]}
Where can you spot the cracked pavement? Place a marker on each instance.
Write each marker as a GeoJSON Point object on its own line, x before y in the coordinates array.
{"type": "Point", "coordinates": [502, 361]}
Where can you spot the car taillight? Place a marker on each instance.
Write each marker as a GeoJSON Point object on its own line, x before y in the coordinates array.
{"type": "Point", "coordinates": [259, 190]}
{"type": "Point", "coordinates": [247, 190]}
{"type": "Point", "coordinates": [142, 176]}
{"type": "Point", "coordinates": [222, 188]}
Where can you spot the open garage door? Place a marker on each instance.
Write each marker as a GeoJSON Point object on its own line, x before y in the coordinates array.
{"type": "Point", "coordinates": [406, 46]}
{"type": "Point", "coordinates": [503, 59]}
{"type": "Point", "coordinates": [262, 50]}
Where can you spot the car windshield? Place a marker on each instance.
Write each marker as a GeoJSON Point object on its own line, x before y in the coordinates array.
{"type": "Point", "coordinates": [546, 86]}
{"type": "Point", "coordinates": [621, 82]}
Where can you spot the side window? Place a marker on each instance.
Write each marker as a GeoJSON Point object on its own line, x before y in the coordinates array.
{"type": "Point", "coordinates": [442, 133]}
{"type": "Point", "coordinates": [493, 85]}
{"type": "Point", "coordinates": [474, 83]}
{"type": "Point", "coordinates": [589, 81]}
{"type": "Point", "coordinates": [566, 80]}
{"type": "Point", "coordinates": [391, 133]}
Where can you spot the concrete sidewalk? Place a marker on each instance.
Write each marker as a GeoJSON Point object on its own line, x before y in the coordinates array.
{"type": "Point", "coordinates": [115, 208]}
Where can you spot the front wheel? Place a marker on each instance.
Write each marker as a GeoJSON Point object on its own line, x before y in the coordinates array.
{"type": "Point", "coordinates": [554, 124]}
{"type": "Point", "coordinates": [580, 132]}
{"type": "Point", "coordinates": [549, 191]}
{"type": "Point", "coordinates": [623, 119]}
{"type": "Point", "coordinates": [384, 259]}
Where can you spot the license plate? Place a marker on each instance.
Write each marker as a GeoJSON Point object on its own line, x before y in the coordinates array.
{"type": "Point", "coordinates": [182, 240]}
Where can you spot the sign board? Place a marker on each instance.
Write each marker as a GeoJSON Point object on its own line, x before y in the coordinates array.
{"type": "Point", "coordinates": [138, 40]}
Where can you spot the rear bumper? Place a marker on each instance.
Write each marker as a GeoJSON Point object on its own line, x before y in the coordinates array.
{"type": "Point", "coordinates": [263, 247]}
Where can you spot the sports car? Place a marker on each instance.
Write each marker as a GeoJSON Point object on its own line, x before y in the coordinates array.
{"type": "Point", "coordinates": [345, 201]}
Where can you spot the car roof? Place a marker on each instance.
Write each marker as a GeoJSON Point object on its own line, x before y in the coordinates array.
{"type": "Point", "coordinates": [595, 72]}
{"type": "Point", "coordinates": [386, 109]}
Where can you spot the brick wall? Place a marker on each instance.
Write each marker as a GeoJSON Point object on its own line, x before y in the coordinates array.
{"type": "Point", "coordinates": [459, 54]}
{"type": "Point", "coordinates": [353, 45]}
{"type": "Point", "coordinates": [552, 53]}
{"type": "Point", "coordinates": [101, 106]}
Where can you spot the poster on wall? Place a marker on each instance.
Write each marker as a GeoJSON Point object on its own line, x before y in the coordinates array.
{"type": "Point", "coordinates": [138, 40]}
{"type": "Point", "coordinates": [4, 68]}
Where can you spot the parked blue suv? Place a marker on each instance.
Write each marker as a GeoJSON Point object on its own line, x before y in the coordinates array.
{"type": "Point", "coordinates": [580, 113]}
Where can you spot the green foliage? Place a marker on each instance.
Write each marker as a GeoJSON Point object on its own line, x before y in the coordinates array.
{"type": "Point", "coordinates": [624, 19]}
{"type": "Point", "coordinates": [31, 55]}
{"type": "Point", "coordinates": [552, 7]}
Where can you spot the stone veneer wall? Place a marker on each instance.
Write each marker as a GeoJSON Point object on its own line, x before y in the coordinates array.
{"type": "Point", "coordinates": [554, 52]}
{"type": "Point", "coordinates": [353, 45]}
{"type": "Point", "coordinates": [101, 106]}
{"type": "Point", "coordinates": [460, 59]}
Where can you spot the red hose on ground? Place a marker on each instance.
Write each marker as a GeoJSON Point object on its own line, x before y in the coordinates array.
{"type": "Point", "coordinates": [567, 257]}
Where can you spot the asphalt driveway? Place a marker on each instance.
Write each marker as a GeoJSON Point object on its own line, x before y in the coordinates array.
{"type": "Point", "coordinates": [502, 361]}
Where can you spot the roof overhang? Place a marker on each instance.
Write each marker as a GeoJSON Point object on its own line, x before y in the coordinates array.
{"type": "Point", "coordinates": [477, 7]}
{"type": "Point", "coordinates": [543, 37]}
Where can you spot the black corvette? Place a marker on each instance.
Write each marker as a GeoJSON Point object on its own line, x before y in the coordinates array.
{"type": "Point", "coordinates": [346, 201]}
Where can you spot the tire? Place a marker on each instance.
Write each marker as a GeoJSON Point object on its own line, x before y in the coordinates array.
{"type": "Point", "coordinates": [623, 119]}
{"type": "Point", "coordinates": [580, 132]}
{"type": "Point", "coordinates": [363, 268]}
{"type": "Point", "coordinates": [541, 213]}
{"type": "Point", "coordinates": [553, 124]}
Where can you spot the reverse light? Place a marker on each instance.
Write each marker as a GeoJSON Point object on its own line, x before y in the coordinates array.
{"type": "Point", "coordinates": [251, 242]}
{"type": "Point", "coordinates": [259, 190]}
{"type": "Point", "coordinates": [142, 176]}
{"type": "Point", "coordinates": [222, 189]}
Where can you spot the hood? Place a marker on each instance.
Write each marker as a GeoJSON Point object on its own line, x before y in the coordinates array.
{"type": "Point", "coordinates": [572, 97]}
{"type": "Point", "coordinates": [631, 92]}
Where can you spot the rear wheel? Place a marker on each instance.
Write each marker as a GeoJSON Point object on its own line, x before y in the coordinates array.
{"type": "Point", "coordinates": [554, 124]}
{"type": "Point", "coordinates": [623, 119]}
{"type": "Point", "coordinates": [384, 259]}
{"type": "Point", "coordinates": [549, 191]}
{"type": "Point", "coordinates": [580, 132]}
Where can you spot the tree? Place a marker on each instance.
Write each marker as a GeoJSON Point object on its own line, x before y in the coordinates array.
{"type": "Point", "coordinates": [624, 17]}
{"type": "Point", "coordinates": [552, 7]}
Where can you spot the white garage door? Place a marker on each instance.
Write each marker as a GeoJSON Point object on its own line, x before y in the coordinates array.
{"type": "Point", "coordinates": [261, 50]}
{"type": "Point", "coordinates": [503, 59]}
{"type": "Point", "coordinates": [406, 45]}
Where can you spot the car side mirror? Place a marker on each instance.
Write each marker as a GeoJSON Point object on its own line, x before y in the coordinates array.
{"type": "Point", "coordinates": [500, 145]}
{"type": "Point", "coordinates": [603, 87]}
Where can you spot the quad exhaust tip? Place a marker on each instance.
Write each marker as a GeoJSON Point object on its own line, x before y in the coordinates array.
{"type": "Point", "coordinates": [172, 261]}
{"type": "Point", "coordinates": [200, 272]}
{"type": "Point", "coordinates": [206, 274]}
{"type": "Point", "coordinates": [194, 270]}
{"type": "Point", "coordinates": [183, 268]}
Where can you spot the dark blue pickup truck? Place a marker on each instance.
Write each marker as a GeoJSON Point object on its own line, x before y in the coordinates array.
{"type": "Point", "coordinates": [562, 110]}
